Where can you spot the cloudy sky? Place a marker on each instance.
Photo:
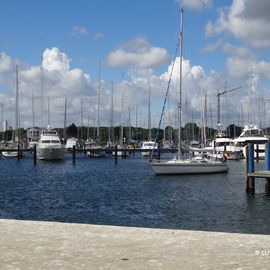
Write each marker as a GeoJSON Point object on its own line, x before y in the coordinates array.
{"type": "Point", "coordinates": [76, 49]}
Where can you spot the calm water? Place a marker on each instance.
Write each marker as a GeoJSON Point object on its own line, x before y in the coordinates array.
{"type": "Point", "coordinates": [98, 191]}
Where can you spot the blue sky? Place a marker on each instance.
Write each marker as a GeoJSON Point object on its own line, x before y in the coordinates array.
{"type": "Point", "coordinates": [89, 30]}
{"type": "Point", "coordinates": [137, 38]}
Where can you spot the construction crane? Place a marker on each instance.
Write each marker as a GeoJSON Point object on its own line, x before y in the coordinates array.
{"type": "Point", "coordinates": [218, 103]}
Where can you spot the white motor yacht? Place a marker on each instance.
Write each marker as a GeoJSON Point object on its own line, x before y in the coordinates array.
{"type": "Point", "coordinates": [252, 134]}
{"type": "Point", "coordinates": [50, 146]}
{"type": "Point", "coordinates": [150, 146]}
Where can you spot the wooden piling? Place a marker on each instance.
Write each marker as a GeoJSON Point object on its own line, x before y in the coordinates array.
{"type": "Point", "coordinates": [18, 152]}
{"type": "Point", "coordinates": [267, 156]}
{"type": "Point", "coordinates": [73, 153]}
{"type": "Point", "coordinates": [250, 185]}
{"type": "Point", "coordinates": [115, 153]}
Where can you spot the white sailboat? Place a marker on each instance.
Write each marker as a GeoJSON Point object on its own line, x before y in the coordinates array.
{"type": "Point", "coordinates": [93, 146]}
{"type": "Point", "coordinates": [10, 145]}
{"type": "Point", "coordinates": [179, 165]}
{"type": "Point", "coordinates": [149, 145]}
{"type": "Point", "coordinates": [122, 139]}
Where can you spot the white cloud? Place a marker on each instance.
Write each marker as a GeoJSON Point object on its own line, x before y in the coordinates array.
{"type": "Point", "coordinates": [57, 80]}
{"type": "Point", "coordinates": [61, 80]}
{"type": "Point", "coordinates": [137, 53]}
{"type": "Point", "coordinates": [53, 60]}
{"type": "Point", "coordinates": [196, 4]}
{"type": "Point", "coordinates": [99, 35]}
{"type": "Point", "coordinates": [6, 64]}
{"type": "Point", "coordinates": [211, 47]}
{"type": "Point", "coordinates": [79, 31]}
{"type": "Point", "coordinates": [247, 20]}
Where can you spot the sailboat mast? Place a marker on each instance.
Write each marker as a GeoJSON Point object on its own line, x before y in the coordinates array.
{"type": "Point", "coordinates": [33, 111]}
{"type": "Point", "coordinates": [99, 74]}
{"type": "Point", "coordinates": [49, 122]}
{"type": "Point", "coordinates": [65, 120]}
{"type": "Point", "coordinates": [42, 95]}
{"type": "Point", "coordinates": [180, 84]}
{"type": "Point", "coordinates": [122, 109]}
{"type": "Point", "coordinates": [17, 104]}
{"type": "Point", "coordinates": [149, 112]}
{"type": "Point", "coordinates": [112, 128]}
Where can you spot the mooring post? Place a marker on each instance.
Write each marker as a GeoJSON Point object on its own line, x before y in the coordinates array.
{"type": "Point", "coordinates": [250, 158]}
{"type": "Point", "coordinates": [267, 156]}
{"type": "Point", "coordinates": [115, 153]}
{"type": "Point", "coordinates": [267, 166]}
{"type": "Point", "coordinates": [250, 182]}
{"type": "Point", "coordinates": [73, 153]}
{"type": "Point", "coordinates": [35, 154]}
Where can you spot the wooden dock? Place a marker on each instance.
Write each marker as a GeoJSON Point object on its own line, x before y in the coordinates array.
{"type": "Point", "coordinates": [109, 151]}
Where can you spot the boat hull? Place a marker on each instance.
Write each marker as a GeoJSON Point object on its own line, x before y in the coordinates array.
{"type": "Point", "coordinates": [187, 167]}
{"type": "Point", "coordinates": [50, 153]}
{"type": "Point", "coordinates": [96, 153]}
{"type": "Point", "coordinates": [10, 154]}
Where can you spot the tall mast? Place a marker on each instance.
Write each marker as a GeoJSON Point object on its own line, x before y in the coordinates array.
{"type": "Point", "coordinates": [180, 84]}
{"type": "Point", "coordinates": [65, 120]}
{"type": "Point", "coordinates": [81, 119]}
{"type": "Point", "coordinates": [2, 120]}
{"type": "Point", "coordinates": [149, 112]}
{"type": "Point", "coordinates": [42, 92]}
{"type": "Point", "coordinates": [129, 126]}
{"type": "Point", "coordinates": [111, 130]}
{"type": "Point", "coordinates": [49, 122]}
{"type": "Point", "coordinates": [17, 104]}
{"type": "Point", "coordinates": [122, 109]}
{"type": "Point", "coordinates": [99, 74]}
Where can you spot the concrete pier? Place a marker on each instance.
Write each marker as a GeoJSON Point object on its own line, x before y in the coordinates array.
{"type": "Point", "coordinates": [51, 245]}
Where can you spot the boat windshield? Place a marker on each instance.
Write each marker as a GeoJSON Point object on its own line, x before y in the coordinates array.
{"type": "Point", "coordinates": [50, 141]}
{"type": "Point", "coordinates": [148, 144]}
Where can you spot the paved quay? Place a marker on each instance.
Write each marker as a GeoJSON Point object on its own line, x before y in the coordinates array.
{"type": "Point", "coordinates": [53, 245]}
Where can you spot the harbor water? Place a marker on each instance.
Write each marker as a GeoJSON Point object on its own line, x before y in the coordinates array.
{"type": "Point", "coordinates": [127, 193]}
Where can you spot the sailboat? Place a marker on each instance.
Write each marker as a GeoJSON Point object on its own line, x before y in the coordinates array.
{"type": "Point", "coordinates": [94, 148]}
{"type": "Point", "coordinates": [15, 134]}
{"type": "Point", "coordinates": [179, 165]}
{"type": "Point", "coordinates": [122, 139]}
{"type": "Point", "coordinates": [148, 146]}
